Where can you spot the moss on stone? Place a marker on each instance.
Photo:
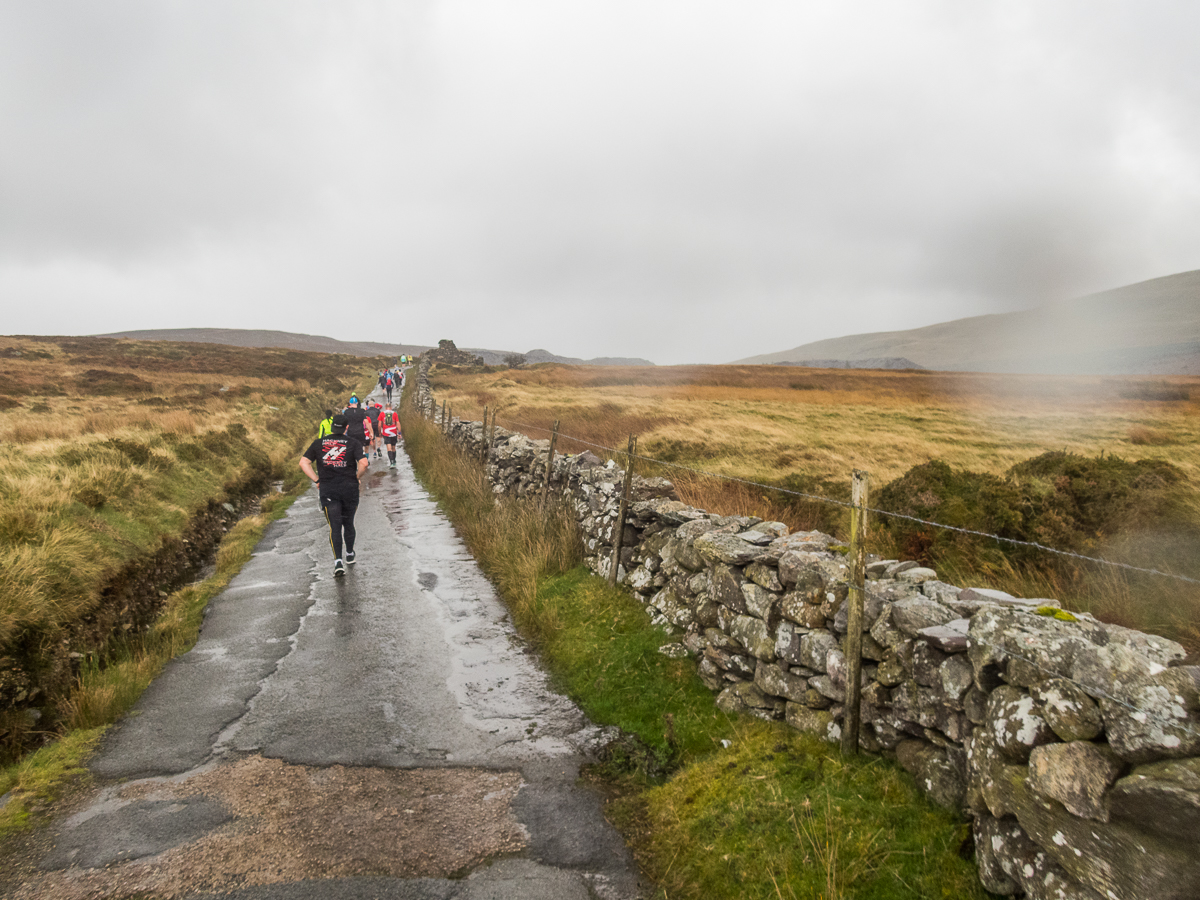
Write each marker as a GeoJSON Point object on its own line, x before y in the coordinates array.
{"type": "Point", "coordinates": [1056, 613]}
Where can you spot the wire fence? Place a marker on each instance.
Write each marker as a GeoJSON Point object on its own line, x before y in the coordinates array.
{"type": "Point", "coordinates": [880, 512]}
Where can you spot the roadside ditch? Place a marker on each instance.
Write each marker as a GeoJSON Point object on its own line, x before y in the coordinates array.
{"type": "Point", "coordinates": [39, 671]}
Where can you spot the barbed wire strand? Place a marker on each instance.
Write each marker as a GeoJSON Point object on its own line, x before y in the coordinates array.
{"type": "Point", "coordinates": [882, 512]}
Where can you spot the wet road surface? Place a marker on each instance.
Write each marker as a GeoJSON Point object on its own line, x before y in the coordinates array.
{"type": "Point", "coordinates": [385, 734]}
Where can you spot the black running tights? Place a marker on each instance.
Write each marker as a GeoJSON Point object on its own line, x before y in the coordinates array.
{"type": "Point", "coordinates": [339, 513]}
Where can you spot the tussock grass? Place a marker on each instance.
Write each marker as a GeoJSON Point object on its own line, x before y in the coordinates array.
{"type": "Point", "coordinates": [774, 814]}
{"type": "Point", "coordinates": [31, 432]}
{"type": "Point", "coordinates": [1149, 437]}
{"type": "Point", "coordinates": [177, 422]}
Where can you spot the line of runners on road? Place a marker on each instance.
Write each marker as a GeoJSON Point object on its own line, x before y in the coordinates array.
{"type": "Point", "coordinates": [341, 454]}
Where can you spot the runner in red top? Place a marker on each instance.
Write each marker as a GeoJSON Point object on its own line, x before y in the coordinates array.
{"type": "Point", "coordinates": [389, 428]}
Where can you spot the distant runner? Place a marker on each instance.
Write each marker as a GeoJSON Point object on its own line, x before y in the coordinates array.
{"type": "Point", "coordinates": [389, 428]}
{"type": "Point", "coordinates": [388, 385]}
{"type": "Point", "coordinates": [376, 438]}
{"type": "Point", "coordinates": [335, 463]}
{"type": "Point", "coordinates": [359, 425]}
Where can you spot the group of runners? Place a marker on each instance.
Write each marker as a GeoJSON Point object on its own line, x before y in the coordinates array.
{"type": "Point", "coordinates": [342, 452]}
{"type": "Point", "coordinates": [390, 380]}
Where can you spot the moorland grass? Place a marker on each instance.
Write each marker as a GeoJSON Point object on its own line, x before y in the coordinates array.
{"type": "Point", "coordinates": [91, 483]}
{"type": "Point", "coordinates": [714, 806]}
{"type": "Point", "coordinates": [749, 422]}
{"type": "Point", "coordinates": [805, 430]}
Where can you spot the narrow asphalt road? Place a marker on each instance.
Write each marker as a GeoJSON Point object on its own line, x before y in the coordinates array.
{"type": "Point", "coordinates": [382, 735]}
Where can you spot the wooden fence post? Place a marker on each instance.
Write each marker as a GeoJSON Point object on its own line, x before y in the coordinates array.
{"type": "Point", "coordinates": [483, 453]}
{"type": "Point", "coordinates": [619, 525]}
{"type": "Point", "coordinates": [859, 484]}
{"type": "Point", "coordinates": [443, 426]}
{"type": "Point", "coordinates": [550, 463]}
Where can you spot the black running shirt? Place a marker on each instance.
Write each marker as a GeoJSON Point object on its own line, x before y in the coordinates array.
{"type": "Point", "coordinates": [336, 459]}
{"type": "Point", "coordinates": [354, 422]}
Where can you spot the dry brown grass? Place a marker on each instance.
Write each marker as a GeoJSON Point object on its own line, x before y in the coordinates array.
{"type": "Point", "coordinates": [1149, 437]}
{"type": "Point", "coordinates": [765, 422]}
{"type": "Point", "coordinates": [178, 421]}
{"type": "Point", "coordinates": [31, 431]}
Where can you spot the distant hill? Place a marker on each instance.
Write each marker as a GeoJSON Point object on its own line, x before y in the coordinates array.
{"type": "Point", "coordinates": [242, 337]}
{"type": "Point", "coordinates": [887, 362]}
{"type": "Point", "coordinates": [1152, 327]}
{"type": "Point", "coordinates": [541, 356]}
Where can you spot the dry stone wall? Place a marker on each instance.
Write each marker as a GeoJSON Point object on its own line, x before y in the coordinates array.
{"type": "Point", "coordinates": [1072, 745]}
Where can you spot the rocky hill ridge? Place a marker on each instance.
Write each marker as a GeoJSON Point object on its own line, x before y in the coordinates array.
{"type": "Point", "coordinates": [243, 337]}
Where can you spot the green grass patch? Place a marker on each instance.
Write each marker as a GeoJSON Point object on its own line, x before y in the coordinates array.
{"type": "Point", "coordinates": [781, 815]}
{"type": "Point", "coordinates": [604, 654]}
{"type": "Point", "coordinates": [39, 778]}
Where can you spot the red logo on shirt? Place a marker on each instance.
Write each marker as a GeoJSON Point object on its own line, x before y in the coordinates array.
{"type": "Point", "coordinates": [334, 455]}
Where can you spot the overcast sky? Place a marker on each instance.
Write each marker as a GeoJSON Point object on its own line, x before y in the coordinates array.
{"type": "Point", "coordinates": [683, 181]}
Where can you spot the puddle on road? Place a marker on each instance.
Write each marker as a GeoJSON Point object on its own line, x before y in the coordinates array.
{"type": "Point", "coordinates": [427, 580]}
{"type": "Point", "coordinates": [289, 823]}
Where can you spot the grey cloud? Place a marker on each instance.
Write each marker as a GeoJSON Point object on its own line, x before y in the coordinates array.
{"type": "Point", "coordinates": [726, 177]}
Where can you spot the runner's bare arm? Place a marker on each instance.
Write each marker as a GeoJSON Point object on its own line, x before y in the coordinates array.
{"type": "Point", "coordinates": [306, 467]}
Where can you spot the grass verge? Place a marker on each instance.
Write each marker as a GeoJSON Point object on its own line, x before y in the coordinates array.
{"type": "Point", "coordinates": [714, 806]}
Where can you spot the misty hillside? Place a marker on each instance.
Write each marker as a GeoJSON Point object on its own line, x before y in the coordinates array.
{"type": "Point", "coordinates": [1152, 327]}
{"type": "Point", "coordinates": [242, 337]}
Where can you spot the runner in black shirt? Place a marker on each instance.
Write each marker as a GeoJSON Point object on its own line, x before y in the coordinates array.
{"type": "Point", "coordinates": [334, 464]}
{"type": "Point", "coordinates": [355, 417]}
